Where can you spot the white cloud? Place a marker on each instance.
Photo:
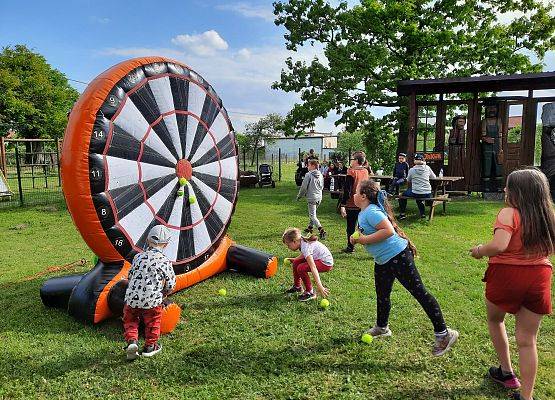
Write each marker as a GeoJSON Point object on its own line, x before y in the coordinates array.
{"type": "Point", "coordinates": [241, 77]}
{"type": "Point", "coordinates": [100, 20]}
{"type": "Point", "coordinates": [244, 54]}
{"type": "Point", "coordinates": [249, 10]}
{"type": "Point", "coordinates": [204, 44]}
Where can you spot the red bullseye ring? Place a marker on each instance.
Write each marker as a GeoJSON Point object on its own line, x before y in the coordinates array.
{"type": "Point", "coordinates": [184, 169]}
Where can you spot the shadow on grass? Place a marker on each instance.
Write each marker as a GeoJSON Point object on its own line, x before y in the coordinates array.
{"type": "Point", "coordinates": [485, 389]}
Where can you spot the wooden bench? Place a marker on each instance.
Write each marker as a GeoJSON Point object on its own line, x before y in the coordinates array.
{"type": "Point", "coordinates": [431, 202]}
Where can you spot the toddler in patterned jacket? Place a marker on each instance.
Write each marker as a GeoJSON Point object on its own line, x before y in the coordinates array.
{"type": "Point", "coordinates": [151, 276]}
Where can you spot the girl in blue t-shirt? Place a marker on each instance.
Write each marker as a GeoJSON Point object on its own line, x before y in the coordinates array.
{"type": "Point", "coordinates": [393, 253]}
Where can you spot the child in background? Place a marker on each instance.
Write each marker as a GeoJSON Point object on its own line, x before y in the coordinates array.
{"type": "Point", "coordinates": [314, 257]}
{"type": "Point", "coordinates": [420, 187]}
{"type": "Point", "coordinates": [400, 173]}
{"type": "Point", "coordinates": [393, 254]}
{"type": "Point", "coordinates": [151, 276]}
{"type": "Point", "coordinates": [518, 278]}
{"type": "Point", "coordinates": [312, 186]}
{"type": "Point", "coordinates": [349, 210]}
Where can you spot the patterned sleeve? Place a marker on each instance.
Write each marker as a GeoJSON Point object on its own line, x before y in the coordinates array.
{"type": "Point", "coordinates": [133, 267]}
{"type": "Point", "coordinates": [169, 276]}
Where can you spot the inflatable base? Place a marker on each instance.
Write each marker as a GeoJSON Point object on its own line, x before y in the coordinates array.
{"type": "Point", "coordinates": [99, 294]}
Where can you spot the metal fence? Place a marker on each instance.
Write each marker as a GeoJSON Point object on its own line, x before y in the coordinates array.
{"type": "Point", "coordinates": [32, 171]}
{"type": "Point", "coordinates": [284, 164]}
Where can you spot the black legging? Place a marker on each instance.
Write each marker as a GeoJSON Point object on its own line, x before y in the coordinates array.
{"type": "Point", "coordinates": [352, 221]}
{"type": "Point", "coordinates": [402, 267]}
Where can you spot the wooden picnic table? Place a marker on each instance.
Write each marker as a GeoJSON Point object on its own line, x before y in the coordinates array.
{"type": "Point", "coordinates": [437, 183]}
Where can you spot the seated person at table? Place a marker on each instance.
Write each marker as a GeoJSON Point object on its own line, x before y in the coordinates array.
{"type": "Point", "coordinates": [400, 173]}
{"type": "Point", "coordinates": [420, 187]}
{"type": "Point", "coordinates": [341, 169]}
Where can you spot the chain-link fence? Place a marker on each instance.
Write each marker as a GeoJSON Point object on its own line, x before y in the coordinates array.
{"type": "Point", "coordinates": [32, 172]}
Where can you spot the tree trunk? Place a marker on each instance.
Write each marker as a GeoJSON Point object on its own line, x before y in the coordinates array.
{"type": "Point", "coordinates": [255, 149]}
{"type": "Point", "coordinates": [34, 153]}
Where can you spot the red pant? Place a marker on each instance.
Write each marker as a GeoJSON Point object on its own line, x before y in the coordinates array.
{"type": "Point", "coordinates": [151, 317]}
{"type": "Point", "coordinates": [301, 270]}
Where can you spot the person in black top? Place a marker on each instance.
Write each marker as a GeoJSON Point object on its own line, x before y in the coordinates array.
{"type": "Point", "coordinates": [400, 173]}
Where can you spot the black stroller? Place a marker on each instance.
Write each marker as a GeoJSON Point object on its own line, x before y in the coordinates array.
{"type": "Point", "coordinates": [265, 172]}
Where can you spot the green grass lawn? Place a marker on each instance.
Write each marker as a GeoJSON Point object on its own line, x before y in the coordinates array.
{"type": "Point", "coordinates": [255, 343]}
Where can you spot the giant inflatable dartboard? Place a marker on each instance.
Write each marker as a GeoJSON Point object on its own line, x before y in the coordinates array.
{"type": "Point", "coordinates": [137, 129]}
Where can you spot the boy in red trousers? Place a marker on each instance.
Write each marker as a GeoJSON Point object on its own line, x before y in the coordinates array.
{"type": "Point", "coordinates": [151, 276]}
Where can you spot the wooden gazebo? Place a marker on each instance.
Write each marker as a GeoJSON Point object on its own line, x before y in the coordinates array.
{"type": "Point", "coordinates": [432, 100]}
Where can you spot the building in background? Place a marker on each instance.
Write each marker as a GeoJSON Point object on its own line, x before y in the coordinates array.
{"type": "Point", "coordinates": [322, 143]}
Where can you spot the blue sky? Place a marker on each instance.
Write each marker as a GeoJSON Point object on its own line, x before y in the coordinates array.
{"type": "Point", "coordinates": [233, 44]}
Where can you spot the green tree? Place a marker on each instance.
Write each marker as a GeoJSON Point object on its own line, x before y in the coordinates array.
{"type": "Point", "coordinates": [371, 46]}
{"type": "Point", "coordinates": [264, 130]}
{"type": "Point", "coordinates": [349, 142]}
{"type": "Point", "coordinates": [34, 97]}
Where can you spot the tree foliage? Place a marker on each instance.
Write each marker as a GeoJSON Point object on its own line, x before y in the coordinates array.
{"type": "Point", "coordinates": [350, 141]}
{"type": "Point", "coordinates": [34, 97]}
{"type": "Point", "coordinates": [266, 129]}
{"type": "Point", "coordinates": [371, 46]}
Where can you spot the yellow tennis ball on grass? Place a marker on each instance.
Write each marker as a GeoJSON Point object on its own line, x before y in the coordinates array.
{"type": "Point", "coordinates": [287, 262]}
{"type": "Point", "coordinates": [222, 292]}
{"type": "Point", "coordinates": [325, 303]}
{"type": "Point", "coordinates": [367, 338]}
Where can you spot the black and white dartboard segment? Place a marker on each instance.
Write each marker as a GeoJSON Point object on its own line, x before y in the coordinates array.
{"type": "Point", "coordinates": [160, 123]}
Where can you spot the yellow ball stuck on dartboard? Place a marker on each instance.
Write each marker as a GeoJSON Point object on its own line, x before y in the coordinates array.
{"type": "Point", "coordinates": [222, 292]}
{"type": "Point", "coordinates": [182, 181]}
{"type": "Point", "coordinates": [367, 338]}
{"type": "Point", "coordinates": [180, 193]}
{"type": "Point", "coordinates": [192, 199]}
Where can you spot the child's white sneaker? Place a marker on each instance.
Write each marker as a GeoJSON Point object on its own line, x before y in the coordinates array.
{"type": "Point", "coordinates": [443, 344]}
{"type": "Point", "coordinates": [377, 331]}
{"type": "Point", "coordinates": [132, 350]}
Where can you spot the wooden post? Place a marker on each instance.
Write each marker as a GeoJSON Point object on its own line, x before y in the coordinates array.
{"type": "Point", "coordinates": [473, 135]}
{"type": "Point", "coordinates": [17, 161]}
{"type": "Point", "coordinates": [528, 138]}
{"type": "Point", "coordinates": [441, 115]}
{"type": "Point", "coordinates": [279, 164]}
{"type": "Point", "coordinates": [58, 162]}
{"type": "Point", "coordinates": [413, 120]}
{"type": "Point", "coordinates": [3, 165]}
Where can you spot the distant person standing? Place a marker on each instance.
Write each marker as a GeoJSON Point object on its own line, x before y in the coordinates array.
{"type": "Point", "coordinates": [312, 186]}
{"type": "Point", "coordinates": [310, 156]}
{"type": "Point", "coordinates": [349, 210]}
